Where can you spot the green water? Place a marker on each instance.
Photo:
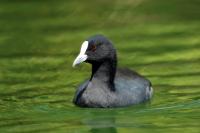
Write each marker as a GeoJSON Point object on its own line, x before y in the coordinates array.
{"type": "Point", "coordinates": [40, 39]}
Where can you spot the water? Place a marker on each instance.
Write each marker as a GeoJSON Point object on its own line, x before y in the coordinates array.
{"type": "Point", "coordinates": [40, 39]}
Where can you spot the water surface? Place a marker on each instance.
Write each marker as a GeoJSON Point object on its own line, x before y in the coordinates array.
{"type": "Point", "coordinates": [40, 39]}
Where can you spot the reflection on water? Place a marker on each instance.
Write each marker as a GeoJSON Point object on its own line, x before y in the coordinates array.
{"type": "Point", "coordinates": [106, 125]}
{"type": "Point", "coordinates": [40, 39]}
{"type": "Point", "coordinates": [104, 130]}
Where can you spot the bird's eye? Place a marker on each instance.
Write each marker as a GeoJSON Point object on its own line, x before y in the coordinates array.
{"type": "Point", "coordinates": [93, 48]}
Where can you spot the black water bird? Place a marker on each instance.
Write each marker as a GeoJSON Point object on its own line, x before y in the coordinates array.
{"type": "Point", "coordinates": [108, 85]}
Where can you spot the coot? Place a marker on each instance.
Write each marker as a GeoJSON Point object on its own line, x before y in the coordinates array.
{"type": "Point", "coordinates": [108, 85]}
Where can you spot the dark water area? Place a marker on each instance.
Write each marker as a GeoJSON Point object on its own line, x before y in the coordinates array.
{"type": "Point", "coordinates": [40, 39]}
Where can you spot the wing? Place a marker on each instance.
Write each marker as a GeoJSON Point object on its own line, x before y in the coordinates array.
{"type": "Point", "coordinates": [80, 91]}
{"type": "Point", "coordinates": [131, 87]}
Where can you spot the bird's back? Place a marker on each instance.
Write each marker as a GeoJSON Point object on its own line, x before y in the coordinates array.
{"type": "Point", "coordinates": [131, 88]}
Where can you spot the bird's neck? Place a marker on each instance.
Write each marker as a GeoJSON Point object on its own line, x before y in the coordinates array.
{"type": "Point", "coordinates": [105, 71]}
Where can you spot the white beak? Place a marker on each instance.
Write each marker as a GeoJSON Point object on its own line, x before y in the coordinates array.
{"type": "Point", "coordinates": [82, 56]}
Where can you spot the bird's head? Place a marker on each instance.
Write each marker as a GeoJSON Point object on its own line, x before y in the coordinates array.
{"type": "Point", "coordinates": [95, 49]}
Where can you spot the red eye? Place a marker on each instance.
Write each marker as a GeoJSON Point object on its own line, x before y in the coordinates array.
{"type": "Point", "coordinates": [93, 48]}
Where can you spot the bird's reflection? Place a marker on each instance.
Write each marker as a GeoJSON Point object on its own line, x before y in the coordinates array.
{"type": "Point", "coordinates": [104, 130]}
{"type": "Point", "coordinates": [102, 125]}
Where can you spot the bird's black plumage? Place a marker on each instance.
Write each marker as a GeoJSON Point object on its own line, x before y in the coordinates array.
{"type": "Point", "coordinates": [109, 86]}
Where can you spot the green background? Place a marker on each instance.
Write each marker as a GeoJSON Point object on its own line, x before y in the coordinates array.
{"type": "Point", "coordinates": [39, 40]}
